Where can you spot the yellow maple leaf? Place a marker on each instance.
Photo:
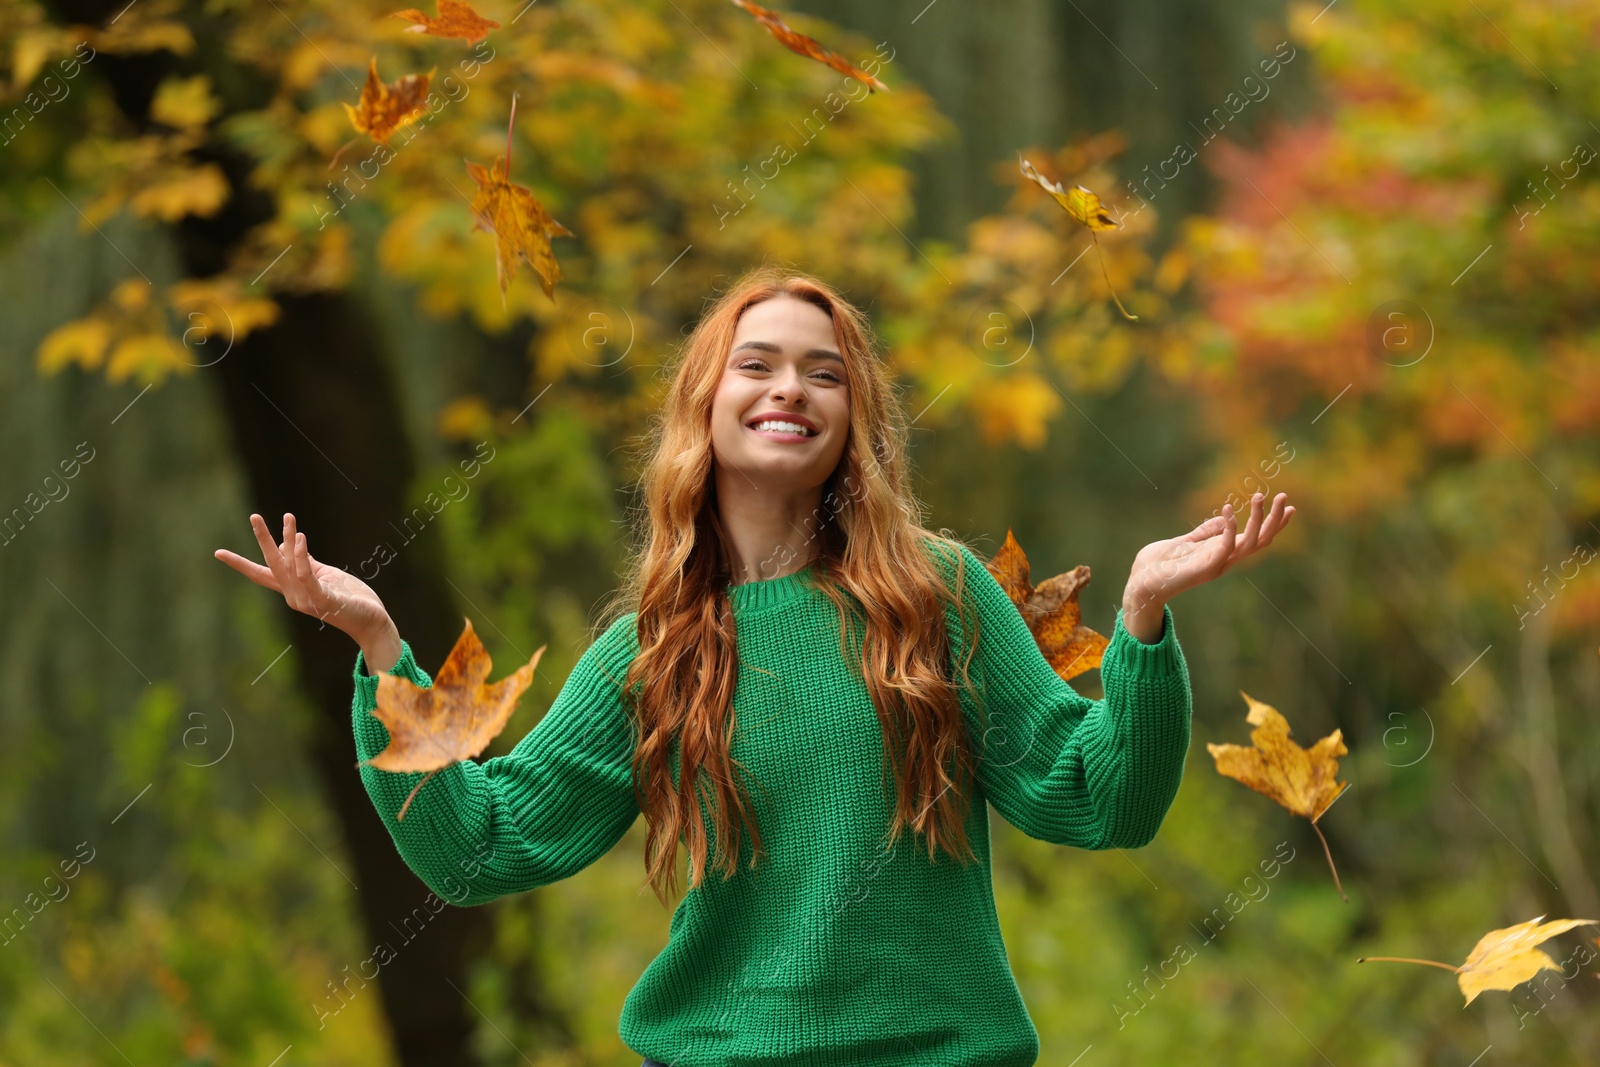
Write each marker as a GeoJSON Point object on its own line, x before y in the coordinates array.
{"type": "Point", "coordinates": [1502, 959]}
{"type": "Point", "coordinates": [1084, 206]}
{"type": "Point", "coordinates": [1302, 780]}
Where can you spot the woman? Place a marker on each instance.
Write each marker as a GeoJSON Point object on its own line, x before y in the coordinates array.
{"type": "Point", "coordinates": [840, 682]}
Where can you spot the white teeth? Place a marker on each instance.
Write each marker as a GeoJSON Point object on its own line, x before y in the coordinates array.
{"type": "Point", "coordinates": [783, 427]}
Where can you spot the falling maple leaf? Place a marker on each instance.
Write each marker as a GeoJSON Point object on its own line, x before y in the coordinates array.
{"type": "Point", "coordinates": [520, 224]}
{"type": "Point", "coordinates": [1051, 610]}
{"type": "Point", "coordinates": [455, 20]}
{"type": "Point", "coordinates": [1302, 780]}
{"type": "Point", "coordinates": [1502, 959]}
{"type": "Point", "coordinates": [808, 46]}
{"type": "Point", "coordinates": [457, 717]}
{"type": "Point", "coordinates": [383, 109]}
{"type": "Point", "coordinates": [1084, 206]}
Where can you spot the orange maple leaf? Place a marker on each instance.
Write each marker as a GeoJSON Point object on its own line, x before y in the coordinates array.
{"type": "Point", "coordinates": [1302, 780]}
{"type": "Point", "coordinates": [1502, 959]}
{"type": "Point", "coordinates": [808, 46]}
{"type": "Point", "coordinates": [1084, 206]}
{"type": "Point", "coordinates": [1051, 610]}
{"type": "Point", "coordinates": [520, 224]}
{"type": "Point", "coordinates": [456, 718]}
{"type": "Point", "coordinates": [383, 109]}
{"type": "Point", "coordinates": [455, 20]}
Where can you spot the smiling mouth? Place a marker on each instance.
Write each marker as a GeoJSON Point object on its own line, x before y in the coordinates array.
{"type": "Point", "coordinates": [781, 430]}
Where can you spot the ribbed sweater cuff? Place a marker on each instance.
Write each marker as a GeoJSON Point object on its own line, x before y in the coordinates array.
{"type": "Point", "coordinates": [404, 667]}
{"type": "Point", "coordinates": [1143, 659]}
{"type": "Point", "coordinates": [372, 736]}
{"type": "Point", "coordinates": [436, 835]}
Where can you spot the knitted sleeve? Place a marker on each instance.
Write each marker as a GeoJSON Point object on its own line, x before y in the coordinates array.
{"type": "Point", "coordinates": [1093, 774]}
{"type": "Point", "coordinates": [558, 801]}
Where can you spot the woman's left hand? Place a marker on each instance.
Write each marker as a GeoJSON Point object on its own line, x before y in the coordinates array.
{"type": "Point", "coordinates": [1163, 569]}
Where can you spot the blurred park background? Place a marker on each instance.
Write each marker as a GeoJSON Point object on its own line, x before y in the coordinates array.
{"type": "Point", "coordinates": [1333, 238]}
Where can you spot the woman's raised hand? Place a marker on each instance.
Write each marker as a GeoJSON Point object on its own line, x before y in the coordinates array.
{"type": "Point", "coordinates": [1163, 569]}
{"type": "Point", "coordinates": [335, 596]}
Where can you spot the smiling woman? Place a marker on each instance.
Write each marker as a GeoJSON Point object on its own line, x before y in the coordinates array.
{"type": "Point", "coordinates": [793, 686]}
{"type": "Point", "coordinates": [799, 683]}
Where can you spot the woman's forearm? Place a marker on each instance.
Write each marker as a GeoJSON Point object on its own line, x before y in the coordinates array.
{"type": "Point", "coordinates": [1143, 616]}
{"type": "Point", "coordinates": [381, 651]}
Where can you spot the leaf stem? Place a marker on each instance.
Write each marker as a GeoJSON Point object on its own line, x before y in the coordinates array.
{"type": "Point", "coordinates": [512, 121]}
{"type": "Point", "coordinates": [334, 162]}
{"type": "Point", "coordinates": [1125, 313]}
{"type": "Point", "coordinates": [1408, 959]}
{"type": "Point", "coordinates": [1329, 854]}
{"type": "Point", "coordinates": [413, 793]}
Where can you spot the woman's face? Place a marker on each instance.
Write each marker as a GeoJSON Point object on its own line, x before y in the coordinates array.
{"type": "Point", "coordinates": [782, 368]}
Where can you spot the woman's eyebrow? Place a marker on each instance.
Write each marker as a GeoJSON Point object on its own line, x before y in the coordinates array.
{"type": "Point", "coordinates": [815, 353]}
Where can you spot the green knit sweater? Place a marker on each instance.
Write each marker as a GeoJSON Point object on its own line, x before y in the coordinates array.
{"type": "Point", "coordinates": [834, 951]}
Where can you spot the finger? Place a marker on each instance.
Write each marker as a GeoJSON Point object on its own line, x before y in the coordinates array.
{"type": "Point", "coordinates": [287, 548]}
{"type": "Point", "coordinates": [269, 552]}
{"type": "Point", "coordinates": [302, 559]}
{"type": "Point", "coordinates": [1204, 531]}
{"type": "Point", "coordinates": [1252, 529]}
{"type": "Point", "coordinates": [251, 570]}
{"type": "Point", "coordinates": [309, 591]}
{"type": "Point", "coordinates": [1222, 554]}
{"type": "Point", "coordinates": [1275, 520]}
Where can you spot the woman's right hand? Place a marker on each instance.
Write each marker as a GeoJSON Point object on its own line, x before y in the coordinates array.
{"type": "Point", "coordinates": [328, 593]}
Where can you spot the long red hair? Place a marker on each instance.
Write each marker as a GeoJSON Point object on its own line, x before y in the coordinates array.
{"type": "Point", "coordinates": [870, 561]}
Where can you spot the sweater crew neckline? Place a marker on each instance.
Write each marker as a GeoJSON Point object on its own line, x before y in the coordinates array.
{"type": "Point", "coordinates": [771, 592]}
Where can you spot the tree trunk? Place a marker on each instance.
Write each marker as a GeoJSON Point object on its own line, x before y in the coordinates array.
{"type": "Point", "coordinates": [317, 425]}
{"type": "Point", "coordinates": [316, 421]}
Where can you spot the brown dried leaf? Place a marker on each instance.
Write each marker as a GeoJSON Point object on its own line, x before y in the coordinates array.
{"type": "Point", "coordinates": [1051, 611]}
{"type": "Point", "coordinates": [808, 46]}
{"type": "Point", "coordinates": [521, 226]}
{"type": "Point", "coordinates": [455, 20]}
{"type": "Point", "coordinates": [455, 718]}
{"type": "Point", "coordinates": [383, 109]}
